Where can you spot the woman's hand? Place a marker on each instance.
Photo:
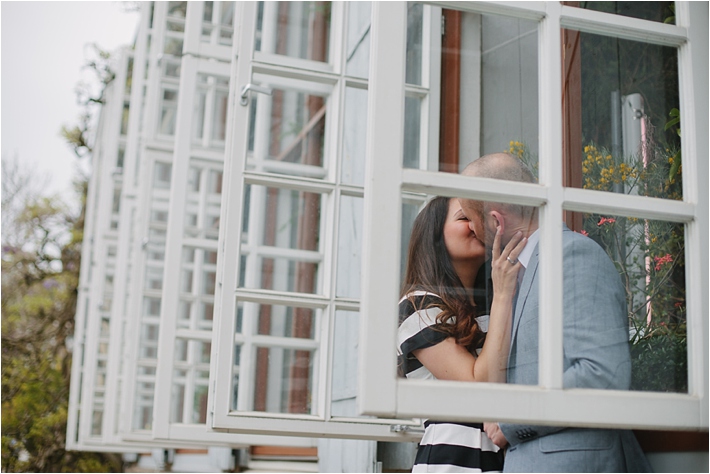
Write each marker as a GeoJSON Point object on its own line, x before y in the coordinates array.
{"type": "Point", "coordinates": [505, 264]}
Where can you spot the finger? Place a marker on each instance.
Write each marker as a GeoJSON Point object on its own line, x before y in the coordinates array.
{"type": "Point", "coordinates": [515, 240]}
{"type": "Point", "coordinates": [518, 249]}
{"type": "Point", "coordinates": [496, 244]}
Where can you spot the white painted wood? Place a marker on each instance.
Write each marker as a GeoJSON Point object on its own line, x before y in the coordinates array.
{"type": "Point", "coordinates": [550, 311]}
{"type": "Point", "coordinates": [549, 403]}
{"type": "Point", "coordinates": [381, 253]}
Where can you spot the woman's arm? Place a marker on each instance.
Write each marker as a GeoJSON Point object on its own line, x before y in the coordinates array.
{"type": "Point", "coordinates": [450, 361]}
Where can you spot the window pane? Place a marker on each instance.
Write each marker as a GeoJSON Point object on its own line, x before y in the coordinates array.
{"type": "Point", "coordinates": [283, 239]}
{"type": "Point", "coordinates": [621, 117]}
{"type": "Point", "coordinates": [295, 29]}
{"type": "Point", "coordinates": [290, 129]}
{"type": "Point", "coordinates": [349, 247]}
{"type": "Point", "coordinates": [509, 85]}
{"type": "Point", "coordinates": [358, 41]}
{"type": "Point", "coordinates": [190, 379]}
{"type": "Point", "coordinates": [283, 380]}
{"type": "Point", "coordinates": [488, 97]}
{"type": "Point", "coordinates": [649, 256]}
{"type": "Point", "coordinates": [653, 11]}
{"type": "Point", "coordinates": [168, 112]}
{"type": "Point", "coordinates": [415, 28]}
{"type": "Point", "coordinates": [354, 136]}
{"type": "Point", "coordinates": [203, 201]}
{"type": "Point", "coordinates": [345, 367]}
{"type": "Point", "coordinates": [446, 287]}
{"type": "Point", "coordinates": [285, 321]}
{"type": "Point", "coordinates": [412, 133]}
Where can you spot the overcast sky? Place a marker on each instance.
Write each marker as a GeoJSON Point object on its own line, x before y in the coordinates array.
{"type": "Point", "coordinates": [43, 51]}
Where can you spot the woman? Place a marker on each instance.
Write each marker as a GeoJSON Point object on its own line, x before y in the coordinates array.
{"type": "Point", "coordinates": [441, 333]}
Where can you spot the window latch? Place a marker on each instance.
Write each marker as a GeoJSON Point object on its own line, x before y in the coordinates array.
{"type": "Point", "coordinates": [406, 429]}
{"type": "Point", "coordinates": [244, 100]}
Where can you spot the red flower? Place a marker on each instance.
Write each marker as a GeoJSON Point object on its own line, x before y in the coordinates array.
{"type": "Point", "coordinates": [660, 261]}
{"type": "Point", "coordinates": [606, 220]}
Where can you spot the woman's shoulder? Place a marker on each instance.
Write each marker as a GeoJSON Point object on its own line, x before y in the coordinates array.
{"type": "Point", "coordinates": [422, 302]}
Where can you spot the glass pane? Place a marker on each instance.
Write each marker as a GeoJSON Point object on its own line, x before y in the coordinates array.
{"type": "Point", "coordinates": [412, 132]}
{"type": "Point", "coordinates": [283, 380]}
{"type": "Point", "coordinates": [446, 288]}
{"type": "Point", "coordinates": [285, 321]}
{"type": "Point", "coordinates": [653, 11]}
{"type": "Point", "coordinates": [203, 203]}
{"type": "Point", "coordinates": [349, 247]}
{"type": "Point", "coordinates": [621, 117]}
{"type": "Point", "coordinates": [649, 256]}
{"type": "Point", "coordinates": [354, 136]}
{"type": "Point", "coordinates": [358, 41]}
{"type": "Point", "coordinates": [289, 128]}
{"type": "Point", "coordinates": [345, 366]}
{"type": "Point", "coordinates": [509, 86]}
{"type": "Point", "coordinates": [282, 239]}
{"type": "Point", "coordinates": [168, 112]}
{"type": "Point", "coordinates": [415, 30]}
{"type": "Point", "coordinates": [295, 29]}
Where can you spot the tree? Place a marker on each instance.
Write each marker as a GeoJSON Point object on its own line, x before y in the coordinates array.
{"type": "Point", "coordinates": [41, 255]}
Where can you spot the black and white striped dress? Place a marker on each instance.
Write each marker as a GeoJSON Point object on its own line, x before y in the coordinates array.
{"type": "Point", "coordinates": [445, 446]}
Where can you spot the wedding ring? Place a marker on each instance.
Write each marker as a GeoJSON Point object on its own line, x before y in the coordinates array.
{"type": "Point", "coordinates": [512, 262]}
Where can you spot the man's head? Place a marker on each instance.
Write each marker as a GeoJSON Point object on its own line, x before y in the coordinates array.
{"type": "Point", "coordinates": [486, 217]}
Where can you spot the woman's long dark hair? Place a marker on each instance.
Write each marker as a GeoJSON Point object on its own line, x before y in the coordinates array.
{"type": "Point", "coordinates": [429, 268]}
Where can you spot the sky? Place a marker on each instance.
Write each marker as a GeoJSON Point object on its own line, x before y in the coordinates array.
{"type": "Point", "coordinates": [44, 46]}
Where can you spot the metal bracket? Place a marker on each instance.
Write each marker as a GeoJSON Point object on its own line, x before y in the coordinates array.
{"type": "Point", "coordinates": [244, 100]}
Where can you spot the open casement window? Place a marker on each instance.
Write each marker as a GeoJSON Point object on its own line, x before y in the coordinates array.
{"type": "Point", "coordinates": [91, 400]}
{"type": "Point", "coordinates": [190, 204]}
{"type": "Point", "coordinates": [627, 209]}
{"type": "Point", "coordinates": [288, 280]}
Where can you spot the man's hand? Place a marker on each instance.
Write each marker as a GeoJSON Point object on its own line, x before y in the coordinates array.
{"type": "Point", "coordinates": [495, 434]}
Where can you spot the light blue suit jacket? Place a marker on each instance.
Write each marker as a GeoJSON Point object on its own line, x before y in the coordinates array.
{"type": "Point", "coordinates": [596, 355]}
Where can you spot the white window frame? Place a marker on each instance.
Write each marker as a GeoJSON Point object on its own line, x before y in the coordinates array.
{"type": "Point", "coordinates": [381, 392]}
{"type": "Point", "coordinates": [288, 71]}
{"type": "Point", "coordinates": [186, 152]}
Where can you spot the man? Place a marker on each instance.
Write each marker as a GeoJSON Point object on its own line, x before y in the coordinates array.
{"type": "Point", "coordinates": [596, 350]}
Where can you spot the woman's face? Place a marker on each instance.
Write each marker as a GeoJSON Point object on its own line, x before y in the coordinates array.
{"type": "Point", "coordinates": [461, 243]}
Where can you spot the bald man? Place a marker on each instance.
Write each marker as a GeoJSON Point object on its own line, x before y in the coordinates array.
{"type": "Point", "coordinates": [596, 349]}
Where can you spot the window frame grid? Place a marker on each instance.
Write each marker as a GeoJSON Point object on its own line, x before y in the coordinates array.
{"type": "Point", "coordinates": [380, 392]}
{"type": "Point", "coordinates": [239, 174]}
{"type": "Point", "coordinates": [99, 265]}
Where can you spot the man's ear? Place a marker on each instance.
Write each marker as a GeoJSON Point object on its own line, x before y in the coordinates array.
{"type": "Point", "coordinates": [497, 220]}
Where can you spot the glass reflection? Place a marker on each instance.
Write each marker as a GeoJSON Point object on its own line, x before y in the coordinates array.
{"type": "Point", "coordinates": [295, 29]}
{"type": "Point", "coordinates": [282, 238]}
{"type": "Point", "coordinates": [649, 256]}
{"type": "Point", "coordinates": [283, 380]}
{"type": "Point", "coordinates": [286, 321]}
{"type": "Point", "coordinates": [654, 11]}
{"type": "Point", "coordinates": [621, 116]}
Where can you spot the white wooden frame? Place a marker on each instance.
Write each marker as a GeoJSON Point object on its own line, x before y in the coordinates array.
{"type": "Point", "coordinates": [381, 393]}
{"type": "Point", "coordinates": [317, 76]}
{"type": "Point", "coordinates": [186, 153]}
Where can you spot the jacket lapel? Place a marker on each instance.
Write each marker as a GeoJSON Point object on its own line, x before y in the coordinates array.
{"type": "Point", "coordinates": [523, 293]}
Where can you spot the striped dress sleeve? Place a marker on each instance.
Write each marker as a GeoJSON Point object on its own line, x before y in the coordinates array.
{"type": "Point", "coordinates": [418, 329]}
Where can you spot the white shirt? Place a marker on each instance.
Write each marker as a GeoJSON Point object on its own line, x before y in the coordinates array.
{"type": "Point", "coordinates": [527, 252]}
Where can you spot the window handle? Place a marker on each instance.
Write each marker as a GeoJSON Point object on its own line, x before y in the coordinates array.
{"type": "Point", "coordinates": [252, 87]}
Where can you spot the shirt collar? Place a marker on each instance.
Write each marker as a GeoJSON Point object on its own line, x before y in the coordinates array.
{"type": "Point", "coordinates": [527, 252]}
